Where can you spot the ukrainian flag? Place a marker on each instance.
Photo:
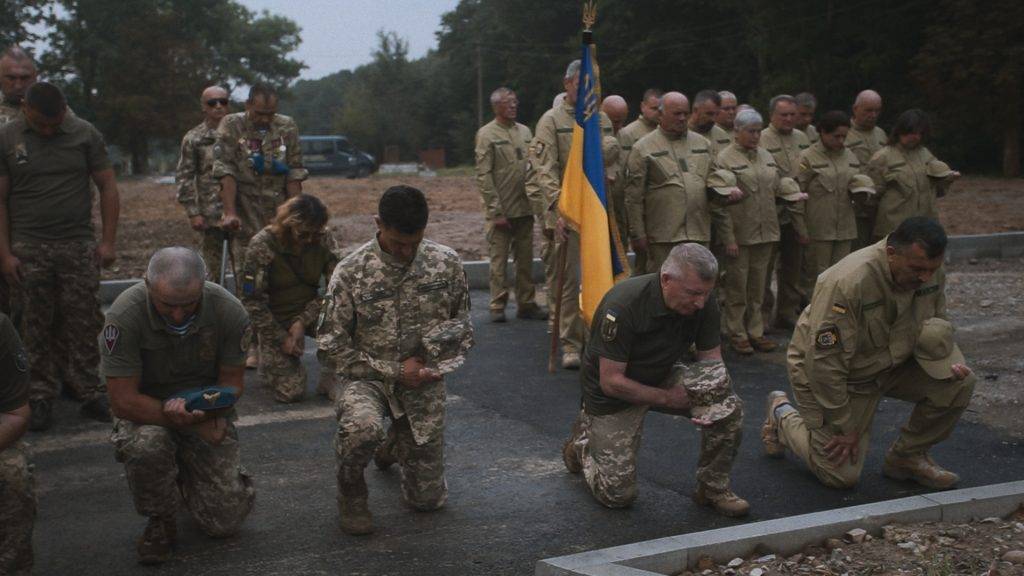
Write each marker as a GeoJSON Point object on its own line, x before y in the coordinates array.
{"type": "Point", "coordinates": [583, 201]}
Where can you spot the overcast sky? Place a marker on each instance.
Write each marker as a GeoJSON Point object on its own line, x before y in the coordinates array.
{"type": "Point", "coordinates": [341, 34]}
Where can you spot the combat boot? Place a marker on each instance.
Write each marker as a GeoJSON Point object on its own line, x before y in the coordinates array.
{"type": "Point", "coordinates": [355, 512]}
{"type": "Point", "coordinates": [498, 316]}
{"type": "Point", "coordinates": [570, 455]}
{"type": "Point", "coordinates": [98, 408]}
{"type": "Point", "coordinates": [326, 383]}
{"type": "Point", "coordinates": [762, 344]}
{"type": "Point", "coordinates": [741, 346]}
{"type": "Point", "coordinates": [533, 312]}
{"type": "Point", "coordinates": [157, 541]}
{"type": "Point", "coordinates": [920, 468]}
{"type": "Point", "coordinates": [571, 360]}
{"type": "Point", "coordinates": [770, 429]}
{"type": "Point", "coordinates": [725, 502]}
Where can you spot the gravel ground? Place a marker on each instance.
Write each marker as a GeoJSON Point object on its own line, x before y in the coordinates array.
{"type": "Point", "coordinates": [988, 547]}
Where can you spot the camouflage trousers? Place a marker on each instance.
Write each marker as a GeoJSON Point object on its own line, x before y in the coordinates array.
{"type": "Point", "coordinates": [17, 511]}
{"type": "Point", "coordinates": [59, 305]}
{"type": "Point", "coordinates": [362, 407]}
{"type": "Point", "coordinates": [211, 247]}
{"type": "Point", "coordinates": [608, 447]}
{"type": "Point", "coordinates": [255, 209]}
{"type": "Point", "coordinates": [518, 241]}
{"type": "Point", "coordinates": [284, 373]}
{"type": "Point", "coordinates": [161, 464]}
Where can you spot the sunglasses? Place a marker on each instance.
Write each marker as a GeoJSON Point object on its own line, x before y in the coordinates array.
{"type": "Point", "coordinates": [213, 102]}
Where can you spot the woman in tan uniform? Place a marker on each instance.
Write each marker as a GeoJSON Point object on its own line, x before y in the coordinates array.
{"type": "Point", "coordinates": [908, 177]}
{"type": "Point", "coordinates": [830, 174]}
{"type": "Point", "coordinates": [750, 232]}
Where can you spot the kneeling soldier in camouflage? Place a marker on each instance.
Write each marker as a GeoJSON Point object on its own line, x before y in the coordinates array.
{"type": "Point", "coordinates": [283, 267]}
{"type": "Point", "coordinates": [17, 495]}
{"type": "Point", "coordinates": [173, 334]}
{"type": "Point", "coordinates": [641, 333]}
{"type": "Point", "coordinates": [397, 320]}
{"type": "Point", "coordinates": [875, 327]}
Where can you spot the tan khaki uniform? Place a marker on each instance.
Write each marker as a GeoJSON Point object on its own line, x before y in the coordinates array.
{"type": "Point", "coordinates": [8, 112]}
{"type": "Point", "coordinates": [628, 136]}
{"type": "Point", "coordinates": [199, 192]}
{"type": "Point", "coordinates": [549, 152]}
{"type": "Point", "coordinates": [853, 345]}
{"type": "Point", "coordinates": [666, 192]}
{"type": "Point", "coordinates": [718, 139]}
{"type": "Point", "coordinates": [753, 225]}
{"type": "Point", "coordinates": [864, 144]}
{"type": "Point", "coordinates": [904, 187]}
{"type": "Point", "coordinates": [812, 134]}
{"type": "Point", "coordinates": [827, 178]}
{"type": "Point", "coordinates": [501, 158]}
{"type": "Point", "coordinates": [786, 149]}
{"type": "Point", "coordinates": [262, 163]}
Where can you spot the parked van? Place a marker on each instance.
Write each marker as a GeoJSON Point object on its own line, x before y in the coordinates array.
{"type": "Point", "coordinates": [335, 155]}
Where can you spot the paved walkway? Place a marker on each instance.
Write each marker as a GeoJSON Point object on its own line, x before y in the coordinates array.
{"type": "Point", "coordinates": [511, 501]}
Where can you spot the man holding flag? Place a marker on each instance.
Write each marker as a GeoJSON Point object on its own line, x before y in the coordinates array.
{"type": "Point", "coordinates": [549, 162]}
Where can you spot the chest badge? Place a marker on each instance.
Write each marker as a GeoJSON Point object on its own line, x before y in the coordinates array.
{"type": "Point", "coordinates": [609, 326]}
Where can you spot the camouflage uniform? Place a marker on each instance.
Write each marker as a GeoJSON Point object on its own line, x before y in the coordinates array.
{"type": "Point", "coordinates": [635, 327]}
{"type": "Point", "coordinates": [380, 312]}
{"type": "Point", "coordinates": [17, 488]}
{"type": "Point", "coordinates": [50, 213]}
{"type": "Point", "coordinates": [8, 112]}
{"type": "Point", "coordinates": [161, 463]}
{"type": "Point", "coordinates": [549, 152]}
{"type": "Point", "coordinates": [199, 192]}
{"type": "Point", "coordinates": [280, 286]}
{"type": "Point", "coordinates": [262, 163]}
{"type": "Point", "coordinates": [501, 178]}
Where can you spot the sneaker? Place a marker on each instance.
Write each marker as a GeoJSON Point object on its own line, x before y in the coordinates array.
{"type": "Point", "coordinates": [498, 316]}
{"type": "Point", "coordinates": [741, 346]}
{"type": "Point", "coordinates": [532, 312]}
{"type": "Point", "coordinates": [921, 469]}
{"type": "Point", "coordinates": [725, 503]}
{"type": "Point", "coordinates": [355, 513]}
{"type": "Point", "coordinates": [762, 344]}
{"type": "Point", "coordinates": [42, 415]}
{"type": "Point", "coordinates": [98, 409]}
{"type": "Point", "coordinates": [571, 360]}
{"type": "Point", "coordinates": [770, 429]}
{"type": "Point", "coordinates": [157, 541]}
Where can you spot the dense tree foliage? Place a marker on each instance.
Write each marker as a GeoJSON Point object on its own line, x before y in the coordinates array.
{"type": "Point", "coordinates": [958, 59]}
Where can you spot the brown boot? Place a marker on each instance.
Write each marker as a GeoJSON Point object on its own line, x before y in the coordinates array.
{"type": "Point", "coordinates": [355, 513]}
{"type": "Point", "coordinates": [570, 455]}
{"type": "Point", "coordinates": [325, 384]}
{"type": "Point", "coordinates": [762, 344]}
{"type": "Point", "coordinates": [921, 469]}
{"type": "Point", "coordinates": [770, 429]}
{"type": "Point", "coordinates": [741, 346]}
{"type": "Point", "coordinates": [157, 541]}
{"type": "Point", "coordinates": [725, 503]}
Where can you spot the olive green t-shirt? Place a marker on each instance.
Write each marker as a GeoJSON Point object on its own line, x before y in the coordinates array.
{"type": "Point", "coordinates": [135, 341]}
{"type": "Point", "coordinates": [50, 199]}
{"type": "Point", "coordinates": [633, 325]}
{"type": "Point", "coordinates": [13, 367]}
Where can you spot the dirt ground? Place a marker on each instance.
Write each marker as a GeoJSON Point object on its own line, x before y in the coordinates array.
{"type": "Point", "coordinates": [989, 547]}
{"type": "Point", "coordinates": [986, 298]}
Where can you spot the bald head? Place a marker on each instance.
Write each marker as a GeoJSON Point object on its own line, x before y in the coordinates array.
{"type": "Point", "coordinates": [675, 110]}
{"type": "Point", "coordinates": [867, 107]}
{"type": "Point", "coordinates": [617, 110]}
{"type": "Point", "coordinates": [17, 73]}
{"type": "Point", "coordinates": [215, 101]}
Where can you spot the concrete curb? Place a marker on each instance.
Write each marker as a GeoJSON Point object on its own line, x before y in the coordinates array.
{"type": "Point", "coordinates": [961, 248]}
{"type": "Point", "coordinates": [785, 536]}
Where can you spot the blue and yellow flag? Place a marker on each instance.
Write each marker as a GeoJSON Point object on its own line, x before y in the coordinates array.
{"type": "Point", "coordinates": [583, 201]}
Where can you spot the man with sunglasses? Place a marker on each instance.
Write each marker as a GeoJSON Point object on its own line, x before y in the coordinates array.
{"type": "Point", "coordinates": [198, 190]}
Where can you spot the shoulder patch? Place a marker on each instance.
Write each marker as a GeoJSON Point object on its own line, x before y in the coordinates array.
{"type": "Point", "coordinates": [249, 284]}
{"type": "Point", "coordinates": [927, 290]}
{"type": "Point", "coordinates": [609, 326]}
{"type": "Point", "coordinates": [110, 335]}
{"type": "Point", "coordinates": [827, 338]}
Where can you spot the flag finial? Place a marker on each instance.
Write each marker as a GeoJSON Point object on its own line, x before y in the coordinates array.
{"type": "Point", "coordinates": [589, 15]}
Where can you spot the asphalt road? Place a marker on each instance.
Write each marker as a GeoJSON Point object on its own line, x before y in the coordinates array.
{"type": "Point", "coordinates": [511, 501]}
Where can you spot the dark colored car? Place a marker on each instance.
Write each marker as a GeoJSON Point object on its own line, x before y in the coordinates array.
{"type": "Point", "coordinates": [335, 155]}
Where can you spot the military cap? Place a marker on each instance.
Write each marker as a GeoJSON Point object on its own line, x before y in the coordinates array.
{"type": "Point", "coordinates": [939, 169]}
{"type": "Point", "coordinates": [862, 183]}
{"type": "Point", "coordinates": [208, 398]}
{"type": "Point", "coordinates": [445, 345]}
{"type": "Point", "coordinates": [708, 385]}
{"type": "Point", "coordinates": [789, 190]}
{"type": "Point", "coordinates": [722, 181]}
{"type": "Point", "coordinates": [936, 351]}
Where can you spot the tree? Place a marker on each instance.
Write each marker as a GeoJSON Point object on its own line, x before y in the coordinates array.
{"type": "Point", "coordinates": [16, 16]}
{"type": "Point", "coordinates": [139, 72]}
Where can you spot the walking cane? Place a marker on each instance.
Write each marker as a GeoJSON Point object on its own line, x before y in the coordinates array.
{"type": "Point", "coordinates": [559, 286]}
{"type": "Point", "coordinates": [224, 260]}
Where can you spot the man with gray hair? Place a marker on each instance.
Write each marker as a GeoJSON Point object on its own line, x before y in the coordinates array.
{"type": "Point", "coordinates": [726, 110]}
{"type": "Point", "coordinates": [635, 362]}
{"type": "Point", "coordinates": [501, 146]}
{"type": "Point", "coordinates": [549, 153]}
{"type": "Point", "coordinates": [785, 143]}
{"type": "Point", "coordinates": [806, 105]}
{"type": "Point", "coordinates": [864, 139]}
{"type": "Point", "coordinates": [171, 334]}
